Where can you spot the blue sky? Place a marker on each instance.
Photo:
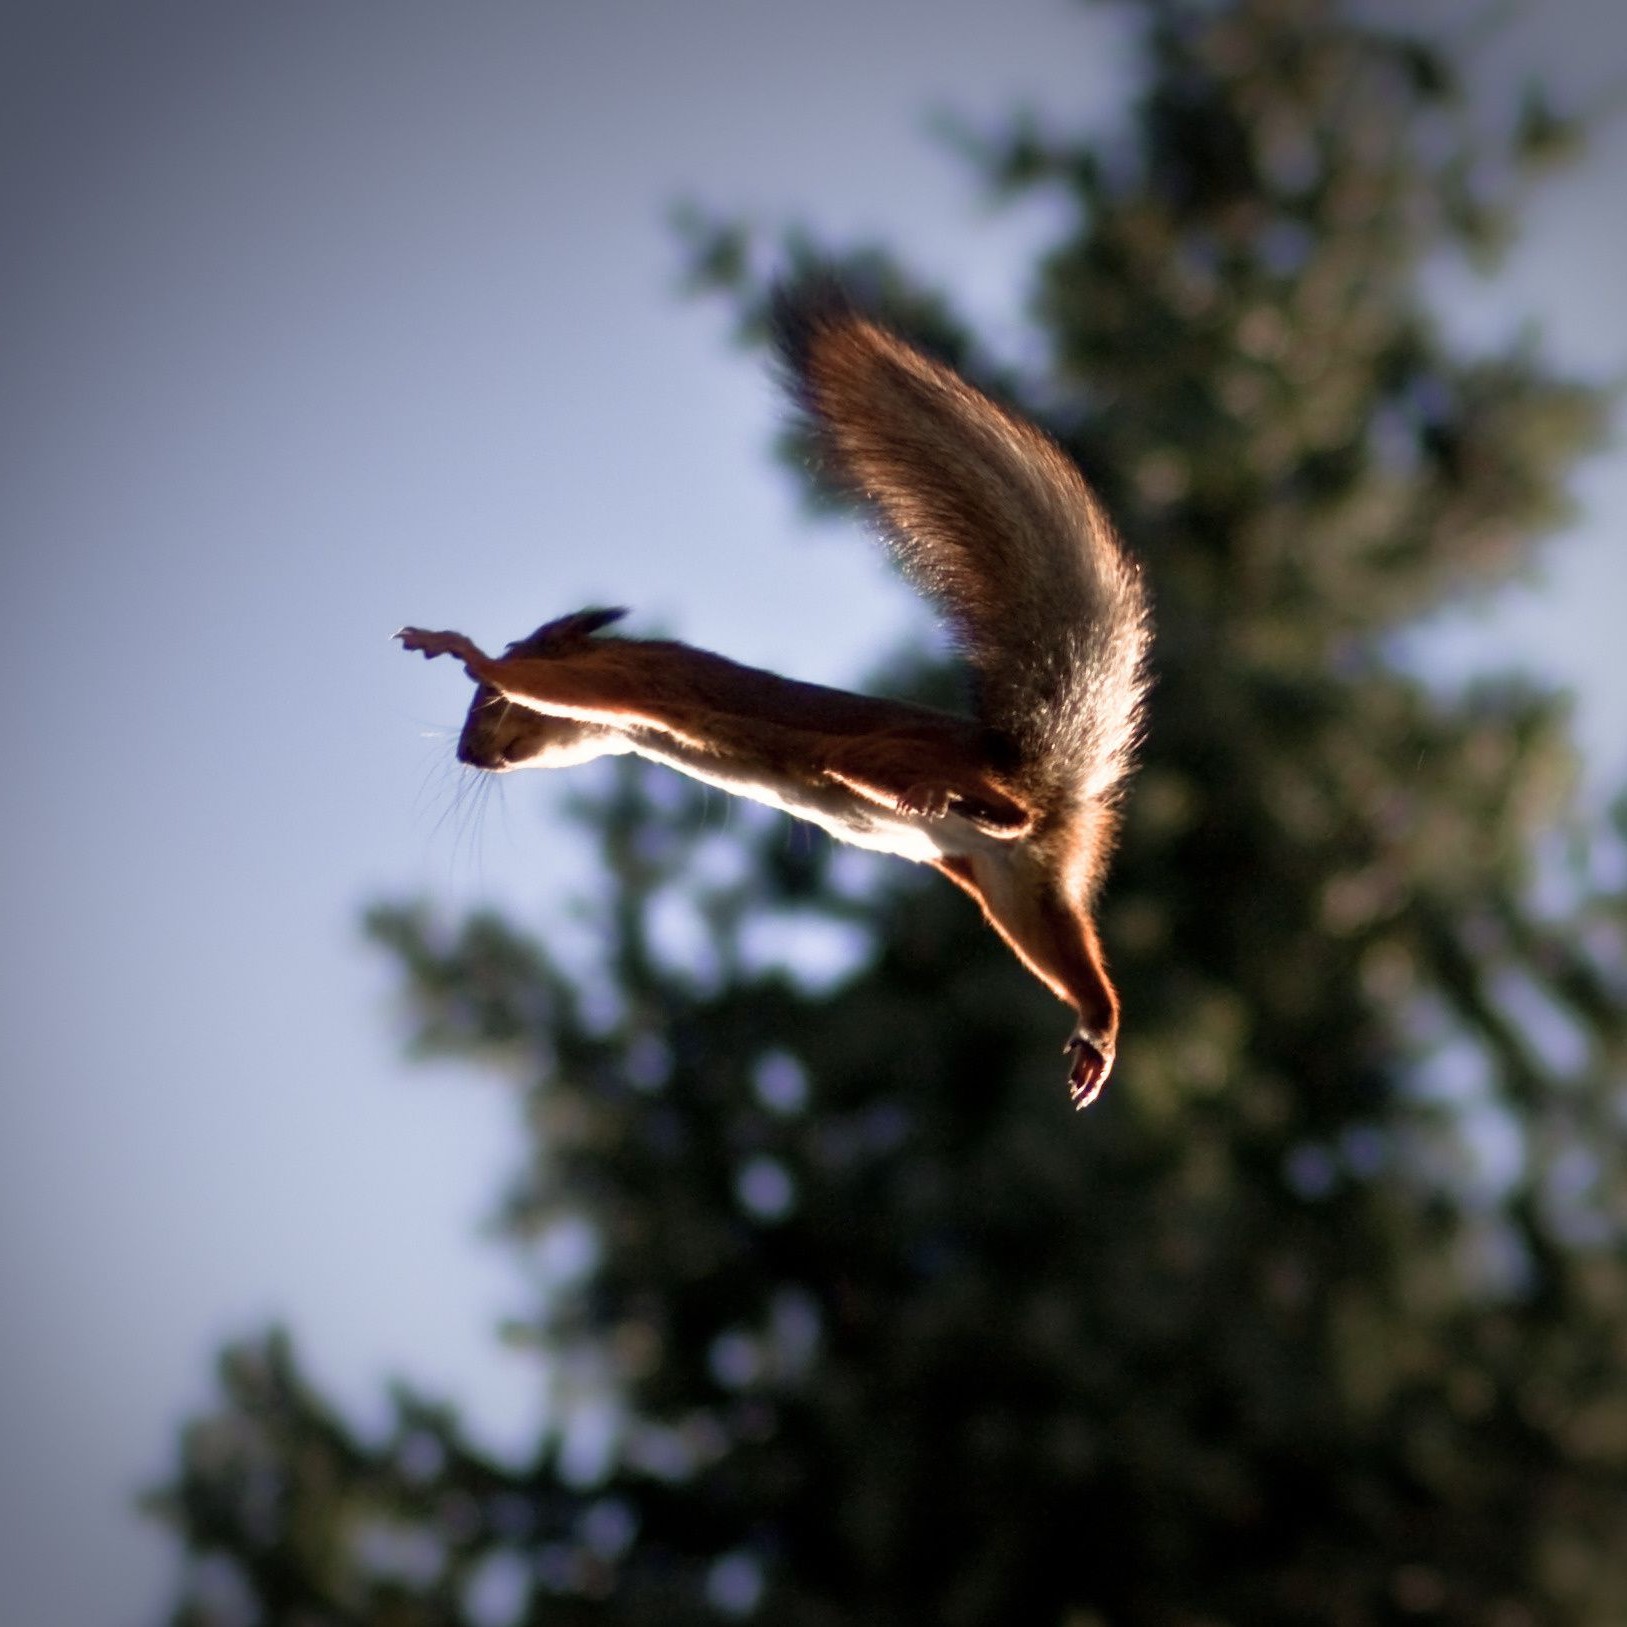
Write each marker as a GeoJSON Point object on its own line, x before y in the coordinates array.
{"type": "Point", "coordinates": [323, 319]}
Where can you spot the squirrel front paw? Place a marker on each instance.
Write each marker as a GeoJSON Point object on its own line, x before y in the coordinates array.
{"type": "Point", "coordinates": [433, 644]}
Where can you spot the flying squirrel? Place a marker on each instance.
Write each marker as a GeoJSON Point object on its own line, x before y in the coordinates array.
{"type": "Point", "coordinates": [993, 523]}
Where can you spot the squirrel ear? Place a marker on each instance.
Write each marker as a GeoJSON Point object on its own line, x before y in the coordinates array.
{"type": "Point", "coordinates": [571, 629]}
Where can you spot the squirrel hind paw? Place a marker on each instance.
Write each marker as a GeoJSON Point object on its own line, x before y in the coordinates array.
{"type": "Point", "coordinates": [991, 812]}
{"type": "Point", "coordinates": [1091, 1065]}
{"type": "Point", "coordinates": [928, 800]}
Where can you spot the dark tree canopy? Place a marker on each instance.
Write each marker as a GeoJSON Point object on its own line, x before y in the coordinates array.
{"type": "Point", "coordinates": [1321, 1315]}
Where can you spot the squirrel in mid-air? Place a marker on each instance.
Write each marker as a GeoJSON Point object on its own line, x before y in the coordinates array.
{"type": "Point", "coordinates": [994, 524]}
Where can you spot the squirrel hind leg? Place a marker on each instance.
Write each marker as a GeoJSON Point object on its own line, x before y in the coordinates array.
{"type": "Point", "coordinates": [995, 814]}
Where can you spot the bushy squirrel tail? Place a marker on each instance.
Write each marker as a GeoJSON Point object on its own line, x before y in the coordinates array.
{"type": "Point", "coordinates": [994, 524]}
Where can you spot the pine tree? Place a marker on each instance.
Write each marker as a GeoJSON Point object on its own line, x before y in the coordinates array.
{"type": "Point", "coordinates": [1321, 1315]}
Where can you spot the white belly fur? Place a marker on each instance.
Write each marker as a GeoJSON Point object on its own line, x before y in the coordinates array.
{"type": "Point", "coordinates": [833, 807]}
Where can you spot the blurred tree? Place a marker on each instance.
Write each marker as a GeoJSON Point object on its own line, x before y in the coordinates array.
{"type": "Point", "coordinates": [1321, 1315]}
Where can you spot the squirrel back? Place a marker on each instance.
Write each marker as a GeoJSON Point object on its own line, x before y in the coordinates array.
{"type": "Point", "coordinates": [994, 524]}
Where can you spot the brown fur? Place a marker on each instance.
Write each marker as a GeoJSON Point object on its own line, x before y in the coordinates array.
{"type": "Point", "coordinates": [997, 527]}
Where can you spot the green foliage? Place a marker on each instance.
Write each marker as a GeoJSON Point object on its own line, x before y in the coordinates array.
{"type": "Point", "coordinates": [1321, 1315]}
